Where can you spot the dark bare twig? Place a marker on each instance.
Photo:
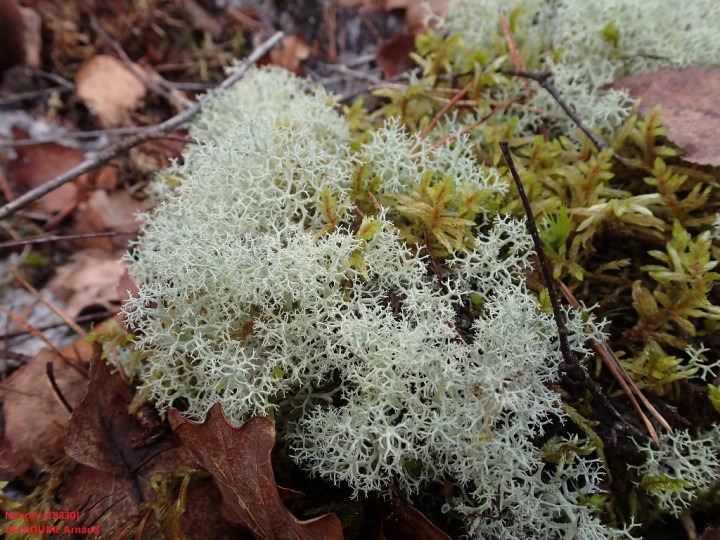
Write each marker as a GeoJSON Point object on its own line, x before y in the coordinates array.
{"type": "Point", "coordinates": [57, 237]}
{"type": "Point", "coordinates": [90, 317]}
{"type": "Point", "coordinates": [153, 132]}
{"type": "Point", "coordinates": [56, 388]}
{"type": "Point", "coordinates": [543, 79]}
{"type": "Point", "coordinates": [570, 364]}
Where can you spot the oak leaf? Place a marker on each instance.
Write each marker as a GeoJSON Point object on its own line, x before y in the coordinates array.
{"type": "Point", "coordinates": [239, 461]}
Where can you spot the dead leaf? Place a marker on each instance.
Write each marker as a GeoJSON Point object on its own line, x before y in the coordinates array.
{"type": "Point", "coordinates": [114, 469]}
{"type": "Point", "coordinates": [393, 56]}
{"type": "Point", "coordinates": [290, 53]}
{"type": "Point", "coordinates": [90, 279]}
{"type": "Point", "coordinates": [109, 89]}
{"type": "Point", "coordinates": [689, 99]}
{"type": "Point", "coordinates": [101, 432]}
{"type": "Point", "coordinates": [239, 461]}
{"type": "Point", "coordinates": [37, 164]}
{"type": "Point", "coordinates": [416, 11]}
{"type": "Point", "coordinates": [408, 523]}
{"type": "Point", "coordinates": [35, 418]}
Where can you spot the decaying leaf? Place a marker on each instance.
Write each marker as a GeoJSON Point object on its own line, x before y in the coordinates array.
{"type": "Point", "coordinates": [239, 461]}
{"type": "Point", "coordinates": [109, 89]}
{"type": "Point", "coordinates": [37, 164]}
{"type": "Point", "coordinates": [689, 99]}
{"type": "Point", "coordinates": [408, 523]}
{"type": "Point", "coordinates": [393, 56]}
{"type": "Point", "coordinates": [112, 477]}
{"type": "Point", "coordinates": [90, 279]}
{"type": "Point", "coordinates": [290, 53]}
{"type": "Point", "coordinates": [101, 433]}
{"type": "Point", "coordinates": [35, 418]}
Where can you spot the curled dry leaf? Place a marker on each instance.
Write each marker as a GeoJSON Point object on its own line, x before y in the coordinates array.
{"type": "Point", "coordinates": [689, 99]}
{"type": "Point", "coordinates": [90, 279]}
{"type": "Point", "coordinates": [35, 418]}
{"type": "Point", "coordinates": [109, 89]}
{"type": "Point", "coordinates": [239, 461]}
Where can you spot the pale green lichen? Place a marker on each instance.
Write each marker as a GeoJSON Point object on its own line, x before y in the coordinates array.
{"type": "Point", "coordinates": [588, 45]}
{"type": "Point", "coordinates": [260, 290]}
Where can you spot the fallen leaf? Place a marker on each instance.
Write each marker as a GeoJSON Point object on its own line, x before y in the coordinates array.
{"type": "Point", "coordinates": [290, 53]}
{"type": "Point", "coordinates": [107, 211]}
{"type": "Point", "coordinates": [37, 164]}
{"type": "Point", "coordinates": [393, 56]}
{"type": "Point", "coordinates": [408, 523]}
{"type": "Point", "coordinates": [90, 279]}
{"type": "Point", "coordinates": [109, 89]}
{"type": "Point", "coordinates": [239, 461]}
{"type": "Point", "coordinates": [416, 11]}
{"type": "Point", "coordinates": [101, 432]}
{"type": "Point", "coordinates": [114, 471]}
{"type": "Point", "coordinates": [35, 418]}
{"type": "Point", "coordinates": [689, 98]}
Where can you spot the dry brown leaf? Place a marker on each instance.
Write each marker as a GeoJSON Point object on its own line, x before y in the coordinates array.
{"type": "Point", "coordinates": [393, 56]}
{"type": "Point", "coordinates": [290, 53]}
{"type": "Point", "coordinates": [37, 164]}
{"type": "Point", "coordinates": [107, 211]}
{"type": "Point", "coordinates": [689, 100]}
{"type": "Point", "coordinates": [102, 434]}
{"type": "Point", "coordinates": [239, 461]}
{"type": "Point", "coordinates": [35, 418]}
{"type": "Point", "coordinates": [416, 11]}
{"type": "Point", "coordinates": [408, 523]}
{"type": "Point", "coordinates": [115, 454]}
{"type": "Point", "coordinates": [90, 279]}
{"type": "Point", "coordinates": [109, 89]}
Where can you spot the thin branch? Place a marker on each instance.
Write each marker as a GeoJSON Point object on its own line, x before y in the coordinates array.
{"type": "Point", "coordinates": [543, 79]}
{"type": "Point", "coordinates": [571, 364]}
{"type": "Point", "coordinates": [59, 237]}
{"type": "Point", "coordinates": [457, 97]}
{"type": "Point", "coordinates": [152, 132]}
{"type": "Point", "coordinates": [51, 306]}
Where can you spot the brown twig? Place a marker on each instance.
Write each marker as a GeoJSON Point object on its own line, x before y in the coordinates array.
{"type": "Point", "coordinates": [152, 132]}
{"type": "Point", "coordinates": [543, 79]}
{"type": "Point", "coordinates": [606, 354]}
{"type": "Point", "coordinates": [57, 238]}
{"type": "Point", "coordinates": [570, 364]}
{"type": "Point", "coordinates": [39, 335]}
{"type": "Point", "coordinates": [457, 97]}
{"type": "Point", "coordinates": [90, 317]}
{"type": "Point", "coordinates": [56, 310]}
{"type": "Point", "coordinates": [501, 107]}
{"type": "Point", "coordinates": [56, 388]}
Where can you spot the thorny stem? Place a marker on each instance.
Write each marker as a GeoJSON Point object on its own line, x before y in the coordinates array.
{"type": "Point", "coordinates": [571, 364]}
{"type": "Point", "coordinates": [152, 132]}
